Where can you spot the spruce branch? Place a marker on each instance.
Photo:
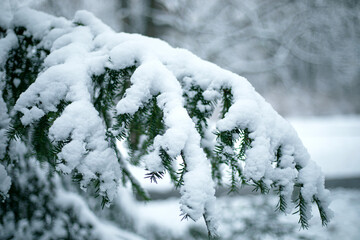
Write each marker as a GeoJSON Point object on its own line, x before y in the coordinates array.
{"type": "Point", "coordinates": [323, 215]}
{"type": "Point", "coordinates": [154, 176]}
{"type": "Point", "coordinates": [301, 206]}
{"type": "Point", "coordinates": [227, 100]}
{"type": "Point", "coordinates": [260, 186]}
{"type": "Point", "coordinates": [281, 205]}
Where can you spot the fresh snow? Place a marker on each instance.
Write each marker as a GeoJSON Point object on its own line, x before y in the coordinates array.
{"type": "Point", "coordinates": [85, 46]}
{"type": "Point", "coordinates": [333, 142]}
{"type": "Point", "coordinates": [6, 44]}
{"type": "Point", "coordinates": [244, 217]}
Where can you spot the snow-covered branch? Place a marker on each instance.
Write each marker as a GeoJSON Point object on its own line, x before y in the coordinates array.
{"type": "Point", "coordinates": [96, 86]}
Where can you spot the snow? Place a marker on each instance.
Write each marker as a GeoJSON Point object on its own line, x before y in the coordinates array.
{"type": "Point", "coordinates": [85, 46]}
{"type": "Point", "coordinates": [39, 23]}
{"type": "Point", "coordinates": [102, 228]}
{"type": "Point", "coordinates": [5, 14]}
{"type": "Point", "coordinates": [6, 44]}
{"type": "Point", "coordinates": [333, 142]}
{"type": "Point", "coordinates": [67, 77]}
{"type": "Point", "coordinates": [89, 155]}
{"type": "Point", "coordinates": [255, 216]}
{"type": "Point", "coordinates": [341, 161]}
{"type": "Point", "coordinates": [5, 181]}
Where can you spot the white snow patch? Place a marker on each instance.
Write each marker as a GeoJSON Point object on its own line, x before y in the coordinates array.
{"type": "Point", "coordinates": [333, 142]}
{"type": "Point", "coordinates": [5, 181]}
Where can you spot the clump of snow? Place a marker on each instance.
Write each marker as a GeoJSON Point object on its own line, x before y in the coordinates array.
{"type": "Point", "coordinates": [6, 44]}
{"type": "Point", "coordinates": [67, 77]}
{"type": "Point", "coordinates": [39, 24]}
{"type": "Point", "coordinates": [5, 14]}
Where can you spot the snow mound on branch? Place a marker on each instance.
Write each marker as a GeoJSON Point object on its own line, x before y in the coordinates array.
{"type": "Point", "coordinates": [86, 46]}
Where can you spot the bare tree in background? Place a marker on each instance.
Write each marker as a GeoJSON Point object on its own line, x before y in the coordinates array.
{"type": "Point", "coordinates": [305, 50]}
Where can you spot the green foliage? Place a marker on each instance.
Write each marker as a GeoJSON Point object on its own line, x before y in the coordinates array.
{"type": "Point", "coordinates": [22, 66]}
{"type": "Point", "coordinates": [323, 215]}
{"type": "Point", "coordinates": [302, 209]}
{"type": "Point", "coordinates": [261, 186]}
{"type": "Point", "coordinates": [230, 150]}
{"type": "Point", "coordinates": [109, 88]}
{"type": "Point", "coordinates": [199, 109]}
{"type": "Point", "coordinates": [154, 176]}
{"type": "Point", "coordinates": [167, 162]}
{"type": "Point", "coordinates": [281, 205]}
{"type": "Point", "coordinates": [138, 131]}
{"type": "Point", "coordinates": [227, 100]}
{"type": "Point", "coordinates": [31, 209]}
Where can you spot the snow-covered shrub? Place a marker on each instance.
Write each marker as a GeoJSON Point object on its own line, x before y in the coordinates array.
{"type": "Point", "coordinates": [71, 89]}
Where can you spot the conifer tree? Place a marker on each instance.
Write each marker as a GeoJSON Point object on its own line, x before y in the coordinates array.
{"type": "Point", "coordinates": [71, 90]}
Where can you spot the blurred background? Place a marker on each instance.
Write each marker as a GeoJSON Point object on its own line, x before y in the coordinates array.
{"type": "Point", "coordinates": [302, 56]}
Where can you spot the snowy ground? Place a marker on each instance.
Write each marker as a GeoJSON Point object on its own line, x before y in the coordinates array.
{"type": "Point", "coordinates": [255, 214]}
{"type": "Point", "coordinates": [334, 144]}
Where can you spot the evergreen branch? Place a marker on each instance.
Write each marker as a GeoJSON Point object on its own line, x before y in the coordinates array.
{"type": "Point", "coordinates": [154, 176]}
{"type": "Point", "coordinates": [227, 100]}
{"type": "Point", "coordinates": [167, 163]}
{"type": "Point", "coordinates": [181, 172]}
{"type": "Point", "coordinates": [126, 175]}
{"type": "Point", "coordinates": [261, 186]}
{"type": "Point", "coordinates": [278, 155]}
{"type": "Point", "coordinates": [302, 208]}
{"type": "Point", "coordinates": [135, 185]}
{"type": "Point", "coordinates": [122, 126]}
{"type": "Point", "coordinates": [281, 205]}
{"type": "Point", "coordinates": [322, 212]}
{"type": "Point", "coordinates": [58, 146]}
{"type": "Point", "coordinates": [16, 130]}
{"type": "Point", "coordinates": [185, 216]}
{"type": "Point", "coordinates": [194, 98]}
{"type": "Point", "coordinates": [211, 234]}
{"type": "Point", "coordinates": [105, 202]}
{"type": "Point", "coordinates": [40, 140]}
{"type": "Point", "coordinates": [216, 173]}
{"type": "Point", "coordinates": [77, 177]}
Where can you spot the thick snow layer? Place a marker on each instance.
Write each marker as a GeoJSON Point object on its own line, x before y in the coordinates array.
{"type": "Point", "coordinates": [68, 77]}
